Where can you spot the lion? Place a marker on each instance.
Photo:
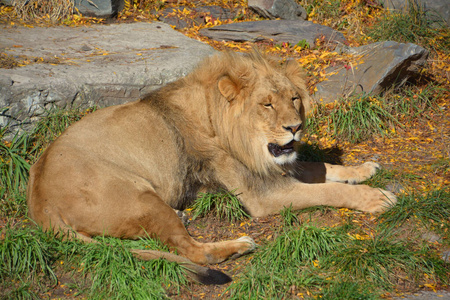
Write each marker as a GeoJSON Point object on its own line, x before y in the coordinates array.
{"type": "Point", "coordinates": [231, 124]}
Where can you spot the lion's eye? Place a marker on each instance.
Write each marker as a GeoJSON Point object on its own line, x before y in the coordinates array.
{"type": "Point", "coordinates": [268, 105]}
{"type": "Point", "coordinates": [295, 98]}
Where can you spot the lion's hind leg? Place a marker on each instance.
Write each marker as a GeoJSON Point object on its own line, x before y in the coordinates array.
{"type": "Point", "coordinates": [165, 224]}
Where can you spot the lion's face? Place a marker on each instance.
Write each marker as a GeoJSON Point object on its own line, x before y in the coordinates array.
{"type": "Point", "coordinates": [278, 112]}
{"type": "Point", "coordinates": [268, 104]}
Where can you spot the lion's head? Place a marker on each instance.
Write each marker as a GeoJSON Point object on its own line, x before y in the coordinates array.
{"type": "Point", "coordinates": [260, 107]}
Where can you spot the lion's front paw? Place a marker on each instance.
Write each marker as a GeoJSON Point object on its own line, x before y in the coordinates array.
{"type": "Point", "coordinates": [376, 200]}
{"type": "Point", "coordinates": [364, 172]}
{"type": "Point", "coordinates": [248, 245]}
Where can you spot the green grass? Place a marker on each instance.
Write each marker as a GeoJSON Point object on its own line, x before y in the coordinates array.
{"type": "Point", "coordinates": [225, 204]}
{"type": "Point", "coordinates": [413, 25]}
{"type": "Point", "coordinates": [27, 253]}
{"type": "Point", "coordinates": [359, 118]}
{"type": "Point", "coordinates": [287, 261]}
{"type": "Point", "coordinates": [431, 210]}
{"type": "Point", "coordinates": [108, 267]}
{"type": "Point", "coordinates": [289, 216]}
{"type": "Point", "coordinates": [14, 163]}
{"type": "Point", "coordinates": [378, 260]}
{"type": "Point", "coordinates": [115, 274]}
{"type": "Point", "coordinates": [329, 263]}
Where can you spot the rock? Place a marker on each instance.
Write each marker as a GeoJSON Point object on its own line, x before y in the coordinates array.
{"type": "Point", "coordinates": [283, 9]}
{"type": "Point", "coordinates": [446, 256]}
{"type": "Point", "coordinates": [383, 65]}
{"type": "Point", "coordinates": [426, 295]}
{"type": "Point", "coordinates": [99, 8]}
{"type": "Point", "coordinates": [196, 16]}
{"type": "Point", "coordinates": [431, 237]}
{"type": "Point", "coordinates": [96, 65]}
{"type": "Point", "coordinates": [437, 10]}
{"type": "Point", "coordinates": [277, 30]}
{"type": "Point", "coordinates": [395, 187]}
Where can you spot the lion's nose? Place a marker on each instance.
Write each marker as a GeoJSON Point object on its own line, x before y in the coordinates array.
{"type": "Point", "coordinates": [294, 128]}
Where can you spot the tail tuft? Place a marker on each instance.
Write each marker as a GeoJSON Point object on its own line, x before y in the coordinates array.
{"type": "Point", "coordinates": [213, 277]}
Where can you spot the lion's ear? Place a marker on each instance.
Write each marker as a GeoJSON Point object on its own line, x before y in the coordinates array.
{"type": "Point", "coordinates": [228, 88]}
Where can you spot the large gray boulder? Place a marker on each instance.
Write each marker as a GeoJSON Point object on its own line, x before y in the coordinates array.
{"type": "Point", "coordinates": [99, 8]}
{"type": "Point", "coordinates": [433, 8]}
{"type": "Point", "coordinates": [283, 9]}
{"type": "Point", "coordinates": [277, 30]}
{"type": "Point", "coordinates": [384, 64]}
{"type": "Point", "coordinates": [96, 65]}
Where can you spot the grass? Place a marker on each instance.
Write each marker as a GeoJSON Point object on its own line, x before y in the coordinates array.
{"type": "Point", "coordinates": [377, 260]}
{"type": "Point", "coordinates": [54, 10]}
{"type": "Point", "coordinates": [287, 261]}
{"type": "Point", "coordinates": [14, 164]}
{"type": "Point", "coordinates": [26, 253]}
{"type": "Point", "coordinates": [34, 258]}
{"type": "Point", "coordinates": [335, 265]}
{"type": "Point", "coordinates": [413, 25]}
{"type": "Point", "coordinates": [359, 118]}
{"type": "Point", "coordinates": [225, 204]}
{"type": "Point", "coordinates": [431, 210]}
{"type": "Point", "coordinates": [289, 216]}
{"type": "Point", "coordinates": [115, 274]}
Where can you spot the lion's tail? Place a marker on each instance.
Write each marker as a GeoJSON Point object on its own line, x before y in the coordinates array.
{"type": "Point", "coordinates": [201, 274]}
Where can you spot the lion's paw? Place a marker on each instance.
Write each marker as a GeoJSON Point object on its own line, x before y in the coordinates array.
{"type": "Point", "coordinates": [365, 171]}
{"type": "Point", "coordinates": [249, 246]}
{"type": "Point", "coordinates": [377, 200]}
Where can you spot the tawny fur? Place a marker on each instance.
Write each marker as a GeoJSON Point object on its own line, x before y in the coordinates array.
{"type": "Point", "coordinates": [122, 170]}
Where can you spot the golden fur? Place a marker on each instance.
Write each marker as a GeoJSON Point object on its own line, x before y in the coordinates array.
{"type": "Point", "coordinates": [230, 124]}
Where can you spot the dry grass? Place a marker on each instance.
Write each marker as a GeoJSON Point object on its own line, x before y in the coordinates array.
{"type": "Point", "coordinates": [54, 10]}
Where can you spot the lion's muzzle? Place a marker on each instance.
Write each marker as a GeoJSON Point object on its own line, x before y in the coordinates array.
{"type": "Point", "coordinates": [277, 150]}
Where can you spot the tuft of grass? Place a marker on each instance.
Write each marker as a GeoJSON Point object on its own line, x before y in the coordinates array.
{"type": "Point", "coordinates": [305, 244]}
{"type": "Point", "coordinates": [431, 209]}
{"type": "Point", "coordinates": [353, 120]}
{"type": "Point", "coordinates": [359, 118]}
{"type": "Point", "coordinates": [116, 274]}
{"type": "Point", "coordinates": [287, 262]}
{"type": "Point", "coordinates": [14, 163]}
{"type": "Point", "coordinates": [413, 101]}
{"type": "Point", "coordinates": [27, 253]}
{"type": "Point", "coordinates": [54, 10]}
{"type": "Point", "coordinates": [413, 25]}
{"type": "Point", "coordinates": [377, 261]}
{"type": "Point", "coordinates": [289, 216]}
{"type": "Point", "coordinates": [225, 204]}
